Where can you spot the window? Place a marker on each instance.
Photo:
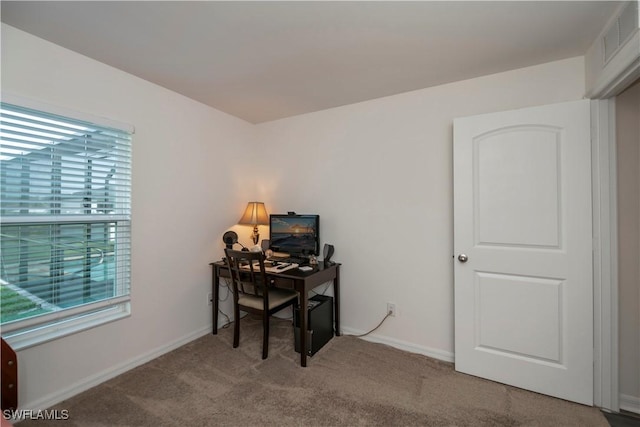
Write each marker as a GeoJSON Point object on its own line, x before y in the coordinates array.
{"type": "Point", "coordinates": [65, 224]}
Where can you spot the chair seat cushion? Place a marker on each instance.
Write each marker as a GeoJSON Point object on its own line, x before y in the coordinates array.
{"type": "Point", "coordinates": [276, 298]}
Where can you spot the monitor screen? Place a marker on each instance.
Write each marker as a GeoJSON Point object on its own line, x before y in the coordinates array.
{"type": "Point", "coordinates": [295, 234]}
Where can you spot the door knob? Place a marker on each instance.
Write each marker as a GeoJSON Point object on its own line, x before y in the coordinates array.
{"type": "Point", "coordinates": [463, 258]}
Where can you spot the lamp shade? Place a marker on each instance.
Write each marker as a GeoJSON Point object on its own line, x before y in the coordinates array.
{"type": "Point", "coordinates": [255, 214]}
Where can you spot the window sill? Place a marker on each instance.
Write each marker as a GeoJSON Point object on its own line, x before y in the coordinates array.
{"type": "Point", "coordinates": [22, 339]}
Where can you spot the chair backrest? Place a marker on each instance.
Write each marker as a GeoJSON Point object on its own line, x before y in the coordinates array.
{"type": "Point", "coordinates": [247, 273]}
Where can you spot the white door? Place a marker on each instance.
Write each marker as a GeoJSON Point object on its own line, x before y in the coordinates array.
{"type": "Point", "coordinates": [522, 218]}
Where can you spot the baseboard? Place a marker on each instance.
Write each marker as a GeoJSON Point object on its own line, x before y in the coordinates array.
{"type": "Point", "coordinates": [403, 345]}
{"type": "Point", "coordinates": [93, 380]}
{"type": "Point", "coordinates": [630, 403]}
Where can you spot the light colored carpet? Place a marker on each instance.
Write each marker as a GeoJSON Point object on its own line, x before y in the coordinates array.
{"type": "Point", "coordinates": [349, 382]}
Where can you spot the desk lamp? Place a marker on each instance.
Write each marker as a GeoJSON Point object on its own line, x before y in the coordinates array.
{"type": "Point", "coordinates": [255, 215]}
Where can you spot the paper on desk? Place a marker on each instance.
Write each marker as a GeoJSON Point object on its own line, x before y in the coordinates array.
{"type": "Point", "coordinates": [270, 268]}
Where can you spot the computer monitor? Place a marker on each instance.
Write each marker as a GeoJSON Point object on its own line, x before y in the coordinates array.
{"type": "Point", "coordinates": [295, 234]}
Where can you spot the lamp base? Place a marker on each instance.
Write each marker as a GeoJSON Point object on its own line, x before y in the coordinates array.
{"type": "Point", "coordinates": [256, 235]}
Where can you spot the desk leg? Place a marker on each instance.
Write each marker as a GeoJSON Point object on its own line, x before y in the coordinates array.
{"type": "Point", "coordinates": [303, 325]}
{"type": "Point", "coordinates": [336, 300]}
{"type": "Point", "coordinates": [215, 287]}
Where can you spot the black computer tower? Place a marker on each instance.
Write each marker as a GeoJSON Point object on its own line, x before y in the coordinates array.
{"type": "Point", "coordinates": [319, 323]}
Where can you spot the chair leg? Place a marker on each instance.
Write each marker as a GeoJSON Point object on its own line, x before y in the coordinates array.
{"type": "Point", "coordinates": [236, 326]}
{"type": "Point", "coordinates": [265, 337]}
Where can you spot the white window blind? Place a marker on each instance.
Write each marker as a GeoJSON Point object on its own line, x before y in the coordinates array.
{"type": "Point", "coordinates": [65, 208]}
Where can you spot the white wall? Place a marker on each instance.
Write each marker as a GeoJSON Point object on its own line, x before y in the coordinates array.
{"type": "Point", "coordinates": [186, 190]}
{"type": "Point", "coordinates": [628, 159]}
{"type": "Point", "coordinates": [379, 173]}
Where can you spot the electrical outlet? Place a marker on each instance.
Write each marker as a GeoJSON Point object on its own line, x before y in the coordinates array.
{"type": "Point", "coordinates": [209, 298]}
{"type": "Point", "coordinates": [391, 309]}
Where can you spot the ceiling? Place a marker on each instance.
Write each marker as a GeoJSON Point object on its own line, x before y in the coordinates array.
{"type": "Point", "coordinates": [266, 60]}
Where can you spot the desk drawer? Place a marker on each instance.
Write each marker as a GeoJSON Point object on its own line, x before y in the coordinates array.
{"type": "Point", "coordinates": [281, 282]}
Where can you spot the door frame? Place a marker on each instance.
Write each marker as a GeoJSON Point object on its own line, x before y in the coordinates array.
{"type": "Point", "coordinates": [606, 391]}
{"type": "Point", "coordinates": [605, 255]}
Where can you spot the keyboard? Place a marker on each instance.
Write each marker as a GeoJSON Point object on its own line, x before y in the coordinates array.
{"type": "Point", "coordinates": [291, 260]}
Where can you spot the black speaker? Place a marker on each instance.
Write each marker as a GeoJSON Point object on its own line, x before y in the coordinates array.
{"type": "Point", "coordinates": [265, 244]}
{"type": "Point", "coordinates": [327, 253]}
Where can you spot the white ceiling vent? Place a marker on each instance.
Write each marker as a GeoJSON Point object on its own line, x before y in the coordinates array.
{"type": "Point", "coordinates": [621, 30]}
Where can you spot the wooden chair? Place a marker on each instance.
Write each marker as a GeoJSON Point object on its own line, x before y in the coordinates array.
{"type": "Point", "coordinates": [253, 292]}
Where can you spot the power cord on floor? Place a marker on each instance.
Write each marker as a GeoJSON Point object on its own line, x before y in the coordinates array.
{"type": "Point", "coordinates": [229, 322]}
{"type": "Point", "coordinates": [372, 330]}
{"type": "Point", "coordinates": [226, 325]}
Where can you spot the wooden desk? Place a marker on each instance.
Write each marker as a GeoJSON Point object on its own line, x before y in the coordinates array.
{"type": "Point", "coordinates": [301, 281]}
